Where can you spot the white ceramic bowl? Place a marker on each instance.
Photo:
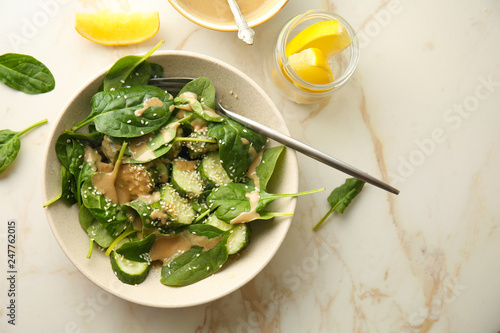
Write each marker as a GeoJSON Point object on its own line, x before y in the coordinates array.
{"type": "Point", "coordinates": [264, 13]}
{"type": "Point", "coordinates": [267, 236]}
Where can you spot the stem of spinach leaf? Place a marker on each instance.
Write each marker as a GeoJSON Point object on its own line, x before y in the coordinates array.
{"type": "Point", "coordinates": [205, 213]}
{"type": "Point", "coordinates": [277, 196]}
{"type": "Point", "coordinates": [44, 121]}
{"type": "Point", "coordinates": [91, 248]}
{"type": "Point", "coordinates": [194, 140]}
{"type": "Point", "coordinates": [120, 157]}
{"type": "Point", "coordinates": [316, 227]}
{"type": "Point", "coordinates": [118, 239]}
{"type": "Point", "coordinates": [54, 199]}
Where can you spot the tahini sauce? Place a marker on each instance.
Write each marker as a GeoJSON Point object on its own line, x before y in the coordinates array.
{"type": "Point", "coordinates": [219, 11]}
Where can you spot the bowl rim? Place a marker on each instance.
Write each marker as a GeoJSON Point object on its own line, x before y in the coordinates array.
{"type": "Point", "coordinates": [52, 136]}
{"type": "Point", "coordinates": [228, 27]}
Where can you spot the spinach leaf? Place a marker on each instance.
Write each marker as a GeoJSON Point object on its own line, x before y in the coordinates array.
{"type": "Point", "coordinates": [9, 147]}
{"type": "Point", "coordinates": [25, 73]}
{"type": "Point", "coordinates": [111, 216]}
{"type": "Point", "coordinates": [85, 217]}
{"type": "Point", "coordinates": [235, 144]}
{"type": "Point", "coordinates": [204, 230]}
{"type": "Point", "coordinates": [128, 112]}
{"type": "Point", "coordinates": [68, 187]}
{"type": "Point", "coordinates": [195, 264]}
{"type": "Point", "coordinates": [137, 250]}
{"type": "Point", "coordinates": [157, 70]}
{"type": "Point", "coordinates": [10, 144]}
{"type": "Point", "coordinates": [140, 75]}
{"type": "Point", "coordinates": [143, 210]}
{"type": "Point", "coordinates": [267, 165]}
{"type": "Point", "coordinates": [199, 202]}
{"type": "Point", "coordinates": [204, 90]}
{"type": "Point", "coordinates": [341, 197]}
{"type": "Point", "coordinates": [123, 68]}
{"type": "Point", "coordinates": [92, 136]}
{"type": "Point", "coordinates": [99, 234]}
{"type": "Point", "coordinates": [231, 200]}
{"type": "Point", "coordinates": [206, 114]}
{"type": "Point", "coordinates": [70, 151]}
{"type": "Point", "coordinates": [160, 143]}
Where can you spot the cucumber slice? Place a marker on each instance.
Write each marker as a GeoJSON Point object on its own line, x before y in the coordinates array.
{"type": "Point", "coordinates": [185, 178]}
{"type": "Point", "coordinates": [159, 171]}
{"type": "Point", "coordinates": [178, 208]}
{"type": "Point", "coordinates": [128, 271]}
{"type": "Point", "coordinates": [214, 221]}
{"type": "Point", "coordinates": [211, 170]}
{"type": "Point", "coordinates": [239, 238]}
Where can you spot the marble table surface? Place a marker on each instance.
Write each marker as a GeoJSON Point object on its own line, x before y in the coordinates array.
{"type": "Point", "coordinates": [421, 112]}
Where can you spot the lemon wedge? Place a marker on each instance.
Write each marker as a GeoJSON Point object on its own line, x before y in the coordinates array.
{"type": "Point", "coordinates": [329, 36]}
{"type": "Point", "coordinates": [116, 28]}
{"type": "Point", "coordinates": [311, 65]}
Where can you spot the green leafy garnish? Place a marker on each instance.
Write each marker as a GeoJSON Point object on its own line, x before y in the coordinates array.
{"type": "Point", "coordinates": [341, 197]}
{"type": "Point", "coordinates": [10, 144]}
{"type": "Point", "coordinates": [25, 73]}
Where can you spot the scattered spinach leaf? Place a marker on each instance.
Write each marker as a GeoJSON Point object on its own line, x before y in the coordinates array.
{"type": "Point", "coordinates": [10, 144]}
{"type": "Point", "coordinates": [341, 197]}
{"type": "Point", "coordinates": [25, 73]}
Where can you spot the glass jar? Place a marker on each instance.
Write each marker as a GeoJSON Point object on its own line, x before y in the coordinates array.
{"type": "Point", "coordinates": [343, 64]}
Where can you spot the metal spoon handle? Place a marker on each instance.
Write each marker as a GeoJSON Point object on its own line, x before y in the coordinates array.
{"type": "Point", "coordinates": [245, 33]}
{"type": "Point", "coordinates": [309, 151]}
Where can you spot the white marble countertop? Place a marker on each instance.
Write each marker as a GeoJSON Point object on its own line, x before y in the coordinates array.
{"type": "Point", "coordinates": [420, 112]}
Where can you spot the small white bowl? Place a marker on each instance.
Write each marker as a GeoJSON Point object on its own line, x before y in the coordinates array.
{"type": "Point", "coordinates": [271, 8]}
{"type": "Point", "coordinates": [267, 236]}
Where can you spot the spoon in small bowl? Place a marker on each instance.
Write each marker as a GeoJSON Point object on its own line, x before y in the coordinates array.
{"type": "Point", "coordinates": [245, 33]}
